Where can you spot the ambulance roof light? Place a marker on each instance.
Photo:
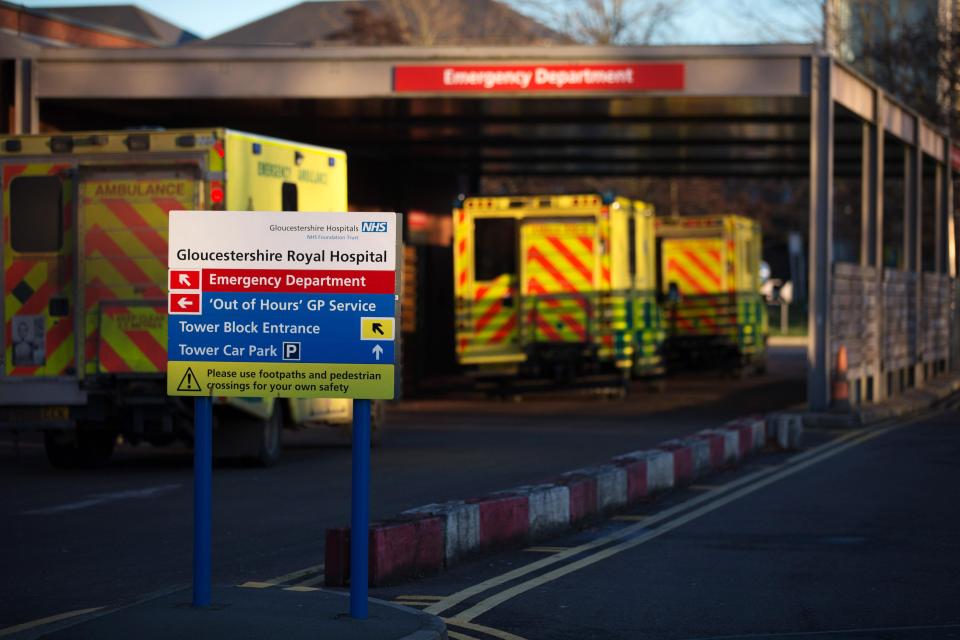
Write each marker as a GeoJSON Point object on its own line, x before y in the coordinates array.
{"type": "Point", "coordinates": [61, 144]}
{"type": "Point", "coordinates": [138, 142]}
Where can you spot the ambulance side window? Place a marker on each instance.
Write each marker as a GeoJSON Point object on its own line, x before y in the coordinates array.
{"type": "Point", "coordinates": [495, 252]}
{"type": "Point", "coordinates": [36, 214]}
{"type": "Point", "coordinates": [288, 197]}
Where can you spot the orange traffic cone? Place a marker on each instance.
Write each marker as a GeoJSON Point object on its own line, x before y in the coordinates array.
{"type": "Point", "coordinates": [840, 389]}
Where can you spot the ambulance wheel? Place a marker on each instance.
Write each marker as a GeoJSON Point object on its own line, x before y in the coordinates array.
{"type": "Point", "coordinates": [378, 422]}
{"type": "Point", "coordinates": [62, 451]}
{"type": "Point", "coordinates": [83, 449]}
{"type": "Point", "coordinates": [271, 438]}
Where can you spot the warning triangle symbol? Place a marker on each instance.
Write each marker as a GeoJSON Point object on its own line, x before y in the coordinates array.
{"type": "Point", "coordinates": [189, 382]}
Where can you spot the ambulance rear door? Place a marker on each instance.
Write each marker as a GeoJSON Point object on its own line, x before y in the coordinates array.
{"type": "Point", "coordinates": [123, 263]}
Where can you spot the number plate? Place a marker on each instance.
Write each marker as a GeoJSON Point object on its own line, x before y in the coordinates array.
{"type": "Point", "coordinates": [35, 414]}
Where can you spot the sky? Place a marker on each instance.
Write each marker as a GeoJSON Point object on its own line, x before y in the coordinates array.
{"type": "Point", "coordinates": [703, 21]}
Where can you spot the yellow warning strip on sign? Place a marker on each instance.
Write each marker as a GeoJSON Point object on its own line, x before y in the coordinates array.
{"type": "Point", "coordinates": [269, 379]}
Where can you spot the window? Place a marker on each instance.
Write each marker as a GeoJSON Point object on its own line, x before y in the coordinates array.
{"type": "Point", "coordinates": [496, 247]}
{"type": "Point", "coordinates": [36, 214]}
{"type": "Point", "coordinates": [288, 197]}
{"type": "Point", "coordinates": [632, 251]}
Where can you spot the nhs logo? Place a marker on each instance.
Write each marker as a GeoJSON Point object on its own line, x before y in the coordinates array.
{"type": "Point", "coordinates": [373, 226]}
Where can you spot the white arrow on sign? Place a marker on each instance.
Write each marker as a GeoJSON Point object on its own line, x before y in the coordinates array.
{"type": "Point", "coordinates": [183, 303]}
{"type": "Point", "coordinates": [185, 279]}
{"type": "Point", "coordinates": [377, 351]}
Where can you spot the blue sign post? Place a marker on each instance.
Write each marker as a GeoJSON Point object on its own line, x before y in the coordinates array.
{"type": "Point", "coordinates": [360, 510]}
{"type": "Point", "coordinates": [202, 499]}
{"type": "Point", "coordinates": [283, 305]}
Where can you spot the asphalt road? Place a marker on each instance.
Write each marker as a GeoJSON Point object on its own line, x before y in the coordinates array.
{"type": "Point", "coordinates": [77, 539]}
{"type": "Point", "coordinates": [859, 538]}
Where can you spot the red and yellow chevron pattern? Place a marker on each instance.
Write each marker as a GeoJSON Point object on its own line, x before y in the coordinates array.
{"type": "Point", "coordinates": [559, 280]}
{"type": "Point", "coordinates": [124, 238]}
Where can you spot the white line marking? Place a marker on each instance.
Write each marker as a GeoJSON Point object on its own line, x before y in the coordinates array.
{"type": "Point", "coordinates": [301, 589]}
{"type": "Point", "coordinates": [419, 597]}
{"type": "Point", "coordinates": [48, 620]}
{"type": "Point", "coordinates": [458, 597]}
{"type": "Point", "coordinates": [508, 594]}
{"type": "Point", "coordinates": [102, 498]}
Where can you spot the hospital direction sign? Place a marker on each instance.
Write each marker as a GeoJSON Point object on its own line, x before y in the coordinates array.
{"type": "Point", "coordinates": [282, 304]}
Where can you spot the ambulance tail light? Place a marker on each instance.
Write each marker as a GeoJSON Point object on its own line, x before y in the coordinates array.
{"type": "Point", "coordinates": [216, 194]}
{"type": "Point", "coordinates": [218, 148]}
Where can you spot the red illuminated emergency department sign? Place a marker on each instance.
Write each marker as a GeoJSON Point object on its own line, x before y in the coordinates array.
{"type": "Point", "coordinates": [283, 304]}
{"type": "Point", "coordinates": [535, 78]}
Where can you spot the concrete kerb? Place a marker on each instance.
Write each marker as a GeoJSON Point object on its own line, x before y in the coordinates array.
{"type": "Point", "coordinates": [426, 539]}
{"type": "Point", "coordinates": [908, 403]}
{"type": "Point", "coordinates": [548, 508]}
{"type": "Point", "coordinates": [611, 485]}
{"type": "Point", "coordinates": [461, 526]}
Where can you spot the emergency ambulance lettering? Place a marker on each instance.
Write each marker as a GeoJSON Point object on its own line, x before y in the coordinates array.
{"type": "Point", "coordinates": [168, 189]}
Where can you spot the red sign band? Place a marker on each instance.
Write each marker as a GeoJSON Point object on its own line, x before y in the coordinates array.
{"type": "Point", "coordinates": [297, 281]}
{"type": "Point", "coordinates": [546, 77]}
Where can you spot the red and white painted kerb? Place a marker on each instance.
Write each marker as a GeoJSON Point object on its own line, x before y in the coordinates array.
{"type": "Point", "coordinates": [427, 539]}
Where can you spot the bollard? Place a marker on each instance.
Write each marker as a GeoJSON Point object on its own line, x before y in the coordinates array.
{"type": "Point", "coordinates": [840, 387]}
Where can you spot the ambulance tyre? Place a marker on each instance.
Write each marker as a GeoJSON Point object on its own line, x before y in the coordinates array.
{"type": "Point", "coordinates": [271, 438]}
{"type": "Point", "coordinates": [378, 422]}
{"type": "Point", "coordinates": [85, 448]}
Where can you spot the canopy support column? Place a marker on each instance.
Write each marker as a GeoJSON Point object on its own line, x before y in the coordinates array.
{"type": "Point", "coordinates": [821, 232]}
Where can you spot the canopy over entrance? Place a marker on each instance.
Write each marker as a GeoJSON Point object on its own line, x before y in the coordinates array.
{"type": "Point", "coordinates": [423, 124]}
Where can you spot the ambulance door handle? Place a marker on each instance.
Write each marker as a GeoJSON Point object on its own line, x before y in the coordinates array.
{"type": "Point", "coordinates": [507, 301]}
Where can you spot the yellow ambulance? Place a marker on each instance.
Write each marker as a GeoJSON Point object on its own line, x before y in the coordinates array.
{"type": "Point", "coordinates": [84, 259]}
{"type": "Point", "coordinates": [709, 283]}
{"type": "Point", "coordinates": [557, 288]}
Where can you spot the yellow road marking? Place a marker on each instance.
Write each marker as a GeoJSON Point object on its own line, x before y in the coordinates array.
{"type": "Point", "coordinates": [473, 626]}
{"type": "Point", "coordinates": [546, 549]}
{"type": "Point", "coordinates": [301, 589]}
{"type": "Point", "coordinates": [419, 597]}
{"type": "Point", "coordinates": [312, 581]}
{"type": "Point", "coordinates": [458, 597]}
{"type": "Point", "coordinates": [48, 620]}
{"type": "Point", "coordinates": [293, 575]}
{"type": "Point", "coordinates": [630, 518]}
{"type": "Point", "coordinates": [508, 594]}
{"type": "Point", "coordinates": [253, 584]}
